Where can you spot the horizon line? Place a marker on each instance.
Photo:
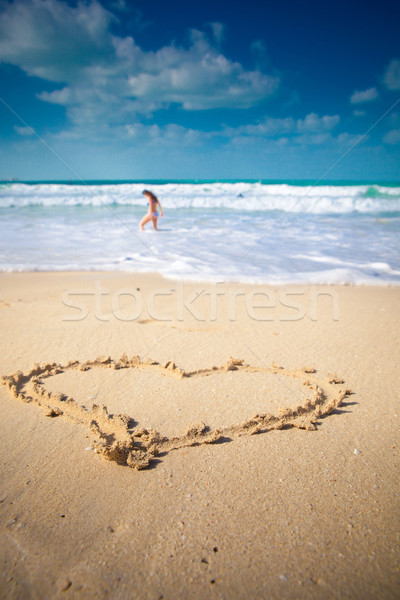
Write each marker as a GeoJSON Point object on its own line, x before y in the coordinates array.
{"type": "Point", "coordinates": [308, 181]}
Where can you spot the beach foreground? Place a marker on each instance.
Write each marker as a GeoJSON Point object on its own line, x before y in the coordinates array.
{"type": "Point", "coordinates": [256, 455]}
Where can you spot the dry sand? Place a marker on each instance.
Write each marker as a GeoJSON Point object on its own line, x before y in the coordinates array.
{"type": "Point", "coordinates": [272, 474]}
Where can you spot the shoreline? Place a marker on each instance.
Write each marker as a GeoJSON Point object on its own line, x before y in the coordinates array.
{"type": "Point", "coordinates": [166, 278]}
{"type": "Point", "coordinates": [296, 497]}
{"type": "Point", "coordinates": [250, 233]}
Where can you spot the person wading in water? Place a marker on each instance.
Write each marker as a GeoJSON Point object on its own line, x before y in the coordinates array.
{"type": "Point", "coordinates": [152, 213]}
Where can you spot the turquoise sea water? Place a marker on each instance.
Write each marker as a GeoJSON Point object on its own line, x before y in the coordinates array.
{"type": "Point", "coordinates": [261, 231]}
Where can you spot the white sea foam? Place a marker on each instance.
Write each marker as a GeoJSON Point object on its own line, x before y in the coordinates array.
{"type": "Point", "coordinates": [212, 231]}
{"type": "Point", "coordinates": [233, 196]}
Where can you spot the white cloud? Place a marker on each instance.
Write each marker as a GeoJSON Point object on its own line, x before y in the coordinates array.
{"type": "Point", "coordinates": [364, 96]}
{"type": "Point", "coordinates": [392, 137]}
{"type": "Point", "coordinates": [272, 132]}
{"type": "Point", "coordinates": [349, 139]}
{"type": "Point", "coordinates": [359, 113]}
{"type": "Point", "coordinates": [315, 124]}
{"type": "Point", "coordinates": [316, 139]}
{"type": "Point", "coordinates": [109, 77]}
{"type": "Point", "coordinates": [24, 131]}
{"type": "Point", "coordinates": [54, 41]}
{"type": "Point", "coordinates": [276, 127]}
{"type": "Point", "coordinates": [395, 119]}
{"type": "Point", "coordinates": [392, 75]}
{"type": "Point", "coordinates": [260, 53]}
{"type": "Point", "coordinates": [218, 31]}
{"type": "Point", "coordinates": [166, 134]}
{"type": "Point", "coordinates": [270, 127]}
{"type": "Point", "coordinates": [258, 48]}
{"type": "Point", "coordinates": [197, 78]}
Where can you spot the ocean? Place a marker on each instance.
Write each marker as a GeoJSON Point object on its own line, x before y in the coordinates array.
{"type": "Point", "coordinates": [248, 231]}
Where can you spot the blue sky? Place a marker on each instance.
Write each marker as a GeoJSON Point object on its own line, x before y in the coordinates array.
{"type": "Point", "coordinates": [217, 89]}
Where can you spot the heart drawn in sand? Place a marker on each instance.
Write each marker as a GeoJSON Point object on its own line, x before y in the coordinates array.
{"type": "Point", "coordinates": [116, 437]}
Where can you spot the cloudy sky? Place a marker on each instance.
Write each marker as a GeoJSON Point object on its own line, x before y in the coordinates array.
{"type": "Point", "coordinates": [118, 89]}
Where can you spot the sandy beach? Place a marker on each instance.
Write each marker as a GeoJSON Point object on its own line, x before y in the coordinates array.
{"type": "Point", "coordinates": [164, 439]}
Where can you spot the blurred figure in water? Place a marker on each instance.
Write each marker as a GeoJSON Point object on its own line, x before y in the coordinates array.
{"type": "Point", "coordinates": [152, 213]}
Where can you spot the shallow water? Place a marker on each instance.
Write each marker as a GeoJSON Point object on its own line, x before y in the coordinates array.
{"type": "Point", "coordinates": [217, 231]}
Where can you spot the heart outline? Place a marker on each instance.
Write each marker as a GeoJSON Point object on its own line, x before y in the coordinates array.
{"type": "Point", "coordinates": [136, 447]}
